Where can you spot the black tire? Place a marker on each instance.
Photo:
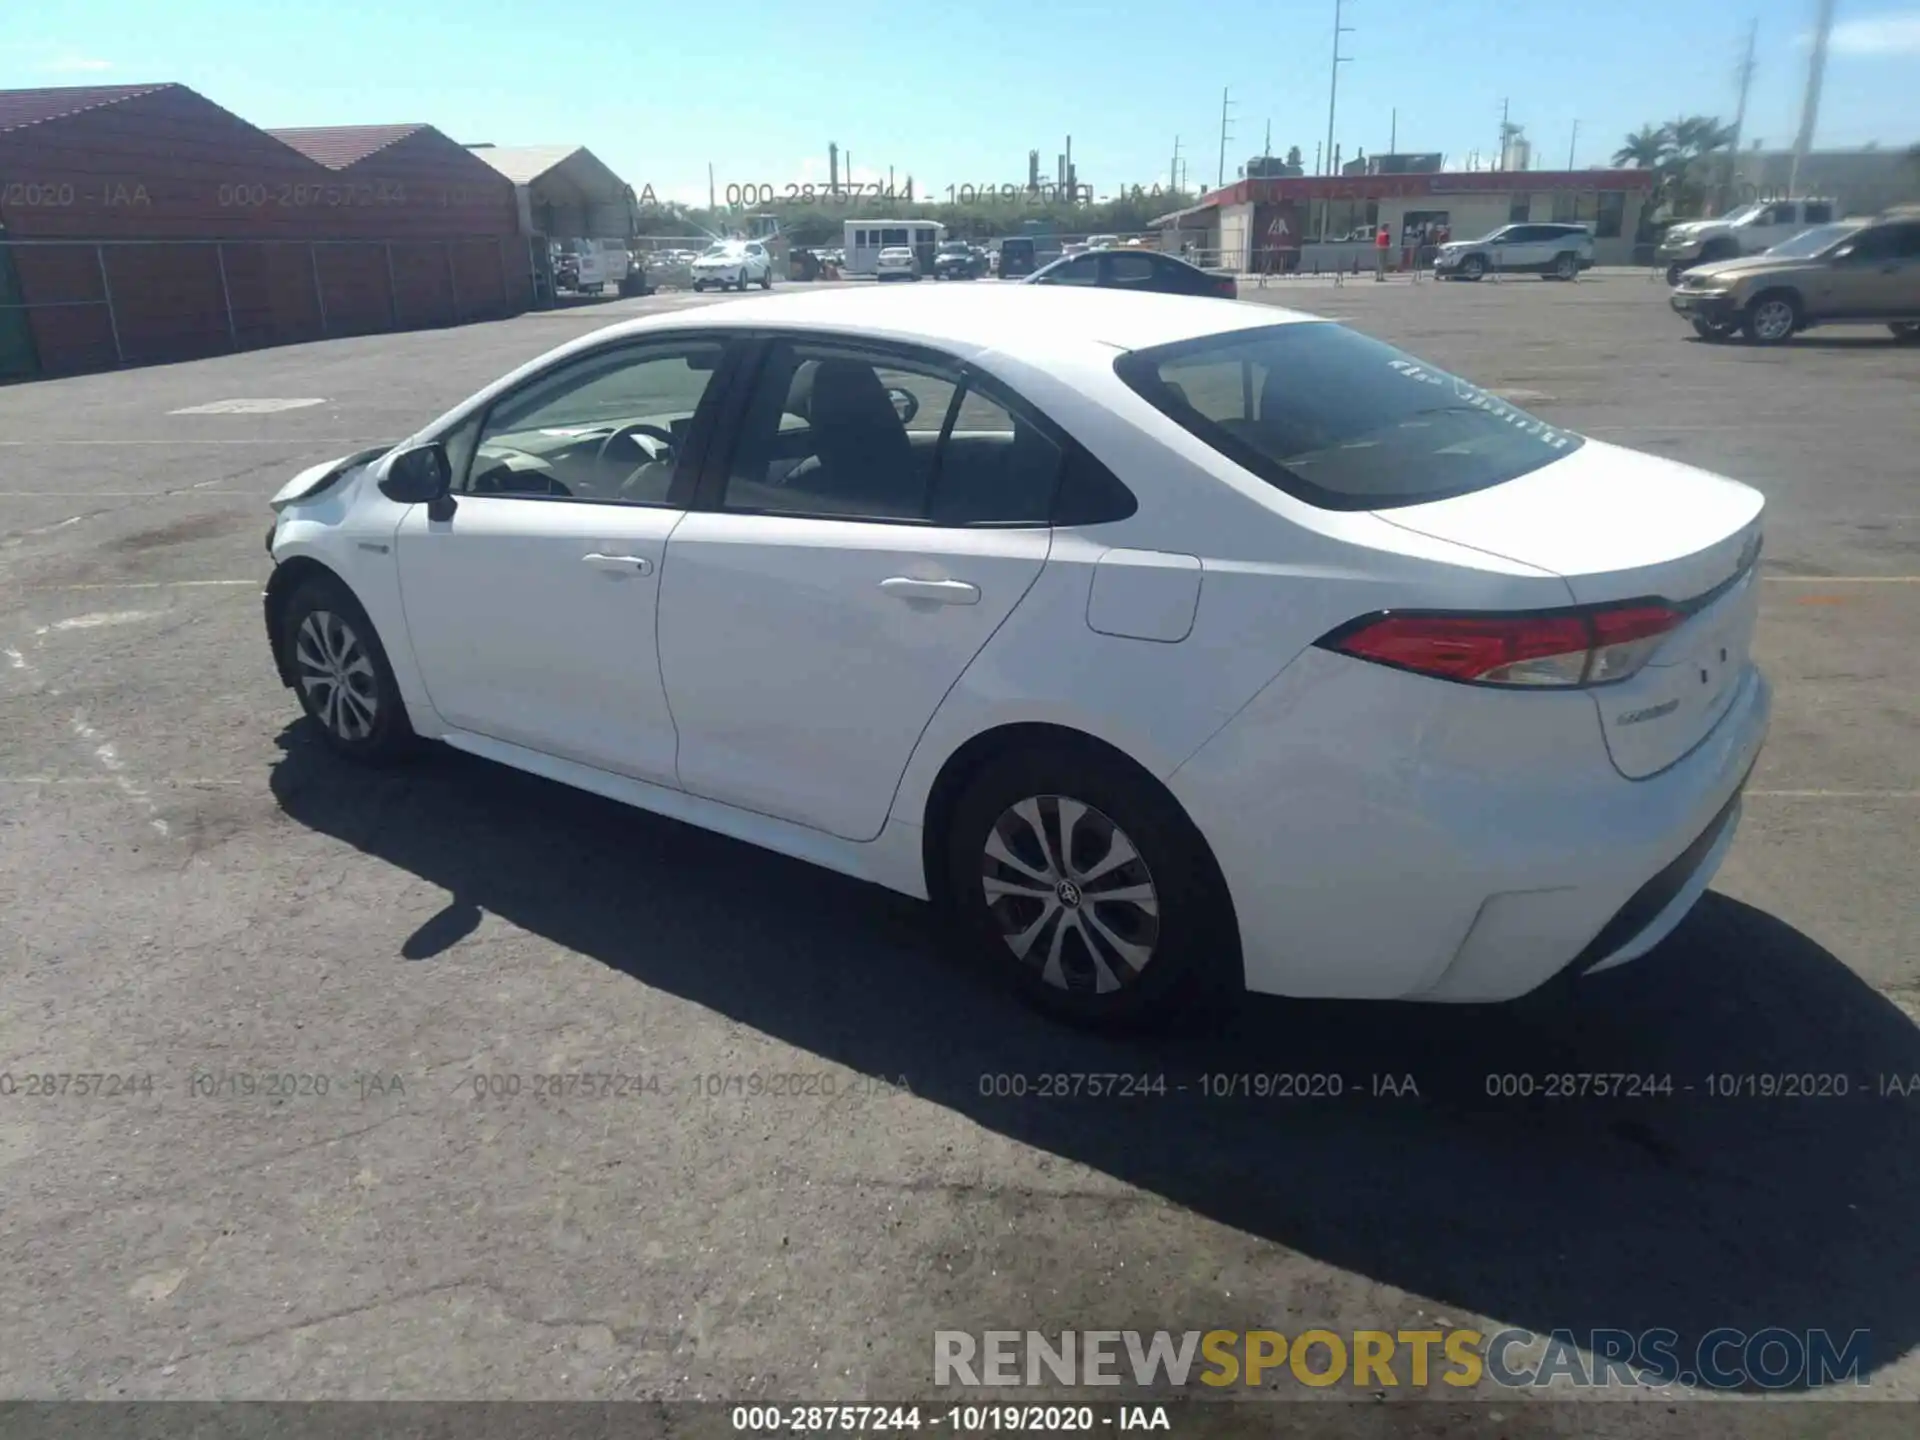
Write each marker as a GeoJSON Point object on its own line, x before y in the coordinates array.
{"type": "Point", "coordinates": [1763, 321]}
{"type": "Point", "coordinates": [766, 280]}
{"type": "Point", "coordinates": [1186, 931]}
{"type": "Point", "coordinates": [1473, 267]}
{"type": "Point", "coordinates": [1713, 331]}
{"type": "Point", "coordinates": [326, 633]}
{"type": "Point", "coordinates": [1907, 332]}
{"type": "Point", "coordinates": [1675, 271]}
{"type": "Point", "coordinates": [698, 286]}
{"type": "Point", "coordinates": [1566, 266]}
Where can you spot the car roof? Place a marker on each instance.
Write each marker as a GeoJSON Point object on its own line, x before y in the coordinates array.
{"type": "Point", "coordinates": [982, 317]}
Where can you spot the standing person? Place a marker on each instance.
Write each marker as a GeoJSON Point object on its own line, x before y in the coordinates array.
{"type": "Point", "coordinates": [1381, 243]}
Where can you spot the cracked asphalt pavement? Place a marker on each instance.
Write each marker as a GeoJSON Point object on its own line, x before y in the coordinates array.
{"type": "Point", "coordinates": [327, 1154]}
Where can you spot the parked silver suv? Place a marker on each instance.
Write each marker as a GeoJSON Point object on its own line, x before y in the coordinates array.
{"type": "Point", "coordinates": [1554, 252]}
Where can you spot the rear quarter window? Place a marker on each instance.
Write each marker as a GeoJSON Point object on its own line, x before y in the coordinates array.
{"type": "Point", "coordinates": [1339, 420]}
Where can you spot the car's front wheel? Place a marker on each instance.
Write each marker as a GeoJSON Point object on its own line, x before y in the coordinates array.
{"type": "Point", "coordinates": [341, 675]}
{"type": "Point", "coordinates": [1675, 271]}
{"type": "Point", "coordinates": [1771, 318]}
{"type": "Point", "coordinates": [766, 280]}
{"type": "Point", "coordinates": [1907, 332]}
{"type": "Point", "coordinates": [1084, 884]}
{"type": "Point", "coordinates": [1473, 267]}
{"type": "Point", "coordinates": [1714, 329]}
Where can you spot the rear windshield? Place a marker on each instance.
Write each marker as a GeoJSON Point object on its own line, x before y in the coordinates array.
{"type": "Point", "coordinates": [1339, 420]}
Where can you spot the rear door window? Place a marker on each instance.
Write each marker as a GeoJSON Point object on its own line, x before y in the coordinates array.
{"type": "Point", "coordinates": [1339, 420]}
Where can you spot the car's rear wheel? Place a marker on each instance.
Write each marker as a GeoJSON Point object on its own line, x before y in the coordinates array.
{"type": "Point", "coordinates": [1771, 318]}
{"type": "Point", "coordinates": [1473, 267]}
{"type": "Point", "coordinates": [1907, 332]}
{"type": "Point", "coordinates": [766, 280]}
{"type": "Point", "coordinates": [1083, 883]}
{"type": "Point", "coordinates": [1567, 267]}
{"type": "Point", "coordinates": [341, 675]}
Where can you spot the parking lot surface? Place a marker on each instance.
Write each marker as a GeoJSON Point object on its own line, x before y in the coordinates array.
{"type": "Point", "coordinates": [810, 1156]}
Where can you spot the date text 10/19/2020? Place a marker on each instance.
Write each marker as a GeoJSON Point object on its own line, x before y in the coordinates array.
{"type": "Point", "coordinates": [868, 193]}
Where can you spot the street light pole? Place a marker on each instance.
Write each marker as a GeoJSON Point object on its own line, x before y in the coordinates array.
{"type": "Point", "coordinates": [1333, 80]}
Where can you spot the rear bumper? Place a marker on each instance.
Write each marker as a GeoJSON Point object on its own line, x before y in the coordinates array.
{"type": "Point", "coordinates": [1388, 837]}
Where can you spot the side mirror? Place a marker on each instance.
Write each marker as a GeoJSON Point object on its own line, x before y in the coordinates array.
{"type": "Point", "coordinates": [905, 403]}
{"type": "Point", "coordinates": [1845, 252]}
{"type": "Point", "coordinates": [422, 475]}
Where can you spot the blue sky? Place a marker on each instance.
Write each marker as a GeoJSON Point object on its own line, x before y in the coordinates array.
{"type": "Point", "coordinates": [958, 91]}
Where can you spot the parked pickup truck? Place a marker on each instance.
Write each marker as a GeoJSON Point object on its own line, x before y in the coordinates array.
{"type": "Point", "coordinates": [1746, 231]}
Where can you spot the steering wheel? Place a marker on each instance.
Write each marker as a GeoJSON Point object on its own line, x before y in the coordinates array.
{"type": "Point", "coordinates": [636, 427]}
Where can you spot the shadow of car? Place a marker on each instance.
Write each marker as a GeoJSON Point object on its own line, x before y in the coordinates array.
{"type": "Point", "coordinates": [1701, 1208]}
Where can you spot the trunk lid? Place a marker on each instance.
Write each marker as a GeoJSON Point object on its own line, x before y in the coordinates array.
{"type": "Point", "coordinates": [1617, 526]}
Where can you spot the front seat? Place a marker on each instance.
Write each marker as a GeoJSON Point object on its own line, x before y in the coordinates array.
{"type": "Point", "coordinates": [861, 454]}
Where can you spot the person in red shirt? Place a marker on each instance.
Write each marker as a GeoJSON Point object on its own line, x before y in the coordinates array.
{"type": "Point", "coordinates": [1381, 243]}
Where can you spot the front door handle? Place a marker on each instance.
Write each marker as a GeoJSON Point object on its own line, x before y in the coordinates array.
{"type": "Point", "coordinates": [937, 592]}
{"type": "Point", "coordinates": [623, 564]}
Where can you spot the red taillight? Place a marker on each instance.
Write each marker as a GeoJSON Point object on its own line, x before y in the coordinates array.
{"type": "Point", "coordinates": [1565, 649]}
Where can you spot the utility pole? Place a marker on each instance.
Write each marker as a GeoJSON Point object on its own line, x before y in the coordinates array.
{"type": "Point", "coordinates": [1224, 103]}
{"type": "Point", "coordinates": [1266, 149]}
{"type": "Point", "coordinates": [1393, 132]}
{"type": "Point", "coordinates": [1810, 112]}
{"type": "Point", "coordinates": [1316, 157]}
{"type": "Point", "coordinates": [1573, 144]}
{"type": "Point", "coordinates": [1739, 116]}
{"type": "Point", "coordinates": [710, 204]}
{"type": "Point", "coordinates": [1333, 79]}
{"type": "Point", "coordinates": [1505, 132]}
{"type": "Point", "coordinates": [1175, 182]}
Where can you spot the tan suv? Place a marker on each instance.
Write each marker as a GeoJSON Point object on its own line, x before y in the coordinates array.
{"type": "Point", "coordinates": [1856, 272]}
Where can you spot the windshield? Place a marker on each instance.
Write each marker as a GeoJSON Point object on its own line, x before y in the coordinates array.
{"type": "Point", "coordinates": [722, 252]}
{"type": "Point", "coordinates": [1743, 214]}
{"type": "Point", "coordinates": [1339, 420]}
{"type": "Point", "coordinates": [954, 247]}
{"type": "Point", "coordinates": [1812, 242]}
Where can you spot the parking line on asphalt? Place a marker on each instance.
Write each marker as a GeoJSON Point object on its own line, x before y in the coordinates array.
{"type": "Point", "coordinates": [283, 440]}
{"type": "Point", "coordinates": [1843, 579]}
{"type": "Point", "coordinates": [1831, 794]}
{"type": "Point", "coordinates": [180, 782]}
{"type": "Point", "coordinates": [140, 584]}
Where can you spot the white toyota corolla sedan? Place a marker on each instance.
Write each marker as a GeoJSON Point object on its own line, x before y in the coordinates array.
{"type": "Point", "coordinates": [1162, 643]}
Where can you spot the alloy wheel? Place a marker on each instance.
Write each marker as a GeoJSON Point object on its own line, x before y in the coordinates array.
{"type": "Point", "coordinates": [1773, 320]}
{"type": "Point", "coordinates": [1069, 893]}
{"type": "Point", "coordinates": [336, 675]}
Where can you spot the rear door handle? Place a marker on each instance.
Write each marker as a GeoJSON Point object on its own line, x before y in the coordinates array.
{"type": "Point", "coordinates": [937, 592]}
{"type": "Point", "coordinates": [625, 564]}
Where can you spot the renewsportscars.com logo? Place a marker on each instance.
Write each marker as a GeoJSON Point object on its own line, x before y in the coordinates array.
{"type": "Point", "coordinates": [1724, 1359]}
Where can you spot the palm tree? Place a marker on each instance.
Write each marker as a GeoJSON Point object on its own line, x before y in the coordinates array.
{"type": "Point", "coordinates": [1699, 135]}
{"type": "Point", "coordinates": [1646, 148]}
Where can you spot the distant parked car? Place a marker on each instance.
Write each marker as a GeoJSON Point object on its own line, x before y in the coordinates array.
{"type": "Point", "coordinates": [734, 265]}
{"type": "Point", "coordinates": [1747, 231]}
{"type": "Point", "coordinates": [957, 260]}
{"type": "Point", "coordinates": [896, 262]}
{"type": "Point", "coordinates": [1556, 252]}
{"type": "Point", "coordinates": [1017, 257]}
{"type": "Point", "coordinates": [1137, 270]}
